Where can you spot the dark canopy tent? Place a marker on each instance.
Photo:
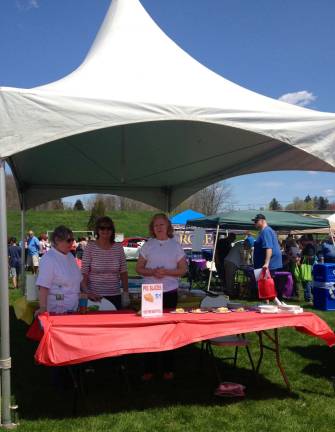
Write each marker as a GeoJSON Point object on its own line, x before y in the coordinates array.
{"type": "Point", "coordinates": [242, 220]}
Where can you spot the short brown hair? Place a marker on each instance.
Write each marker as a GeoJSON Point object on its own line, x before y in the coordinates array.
{"type": "Point", "coordinates": [167, 220]}
{"type": "Point", "coordinates": [61, 233]}
{"type": "Point", "coordinates": [107, 221]}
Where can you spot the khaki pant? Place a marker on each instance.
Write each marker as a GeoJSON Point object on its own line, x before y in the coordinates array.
{"type": "Point", "coordinates": [33, 261]}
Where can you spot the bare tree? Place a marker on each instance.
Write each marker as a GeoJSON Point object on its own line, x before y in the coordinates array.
{"type": "Point", "coordinates": [214, 198]}
{"type": "Point", "coordinates": [128, 204]}
{"type": "Point", "coordinates": [12, 197]}
{"type": "Point", "coordinates": [50, 205]}
{"type": "Point", "coordinates": [111, 202]}
{"type": "Point", "coordinates": [98, 210]}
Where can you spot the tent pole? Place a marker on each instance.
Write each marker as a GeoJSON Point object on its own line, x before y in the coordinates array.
{"type": "Point", "coordinates": [23, 249]}
{"type": "Point", "coordinates": [5, 360]}
{"type": "Point", "coordinates": [331, 235]}
{"type": "Point", "coordinates": [214, 250]}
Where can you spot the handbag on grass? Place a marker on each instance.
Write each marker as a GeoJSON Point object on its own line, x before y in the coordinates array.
{"type": "Point", "coordinates": [266, 286]}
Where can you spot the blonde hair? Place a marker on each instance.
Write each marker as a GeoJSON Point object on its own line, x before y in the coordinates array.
{"type": "Point", "coordinates": [167, 220]}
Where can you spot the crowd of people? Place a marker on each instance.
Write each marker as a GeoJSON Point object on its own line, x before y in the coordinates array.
{"type": "Point", "coordinates": [289, 254]}
{"type": "Point", "coordinates": [35, 249]}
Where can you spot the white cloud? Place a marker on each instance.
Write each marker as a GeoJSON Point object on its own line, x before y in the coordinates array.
{"type": "Point", "coordinates": [329, 192]}
{"type": "Point", "coordinates": [271, 184]}
{"type": "Point", "coordinates": [24, 5]}
{"type": "Point", "coordinates": [301, 98]}
{"type": "Point", "coordinates": [312, 172]}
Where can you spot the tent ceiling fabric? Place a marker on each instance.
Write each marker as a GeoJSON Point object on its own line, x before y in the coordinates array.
{"type": "Point", "coordinates": [143, 119]}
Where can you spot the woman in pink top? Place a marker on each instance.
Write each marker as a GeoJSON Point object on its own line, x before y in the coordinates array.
{"type": "Point", "coordinates": [104, 266]}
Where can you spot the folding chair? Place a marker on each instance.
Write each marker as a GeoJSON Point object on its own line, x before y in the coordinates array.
{"type": "Point", "coordinates": [236, 341]}
{"type": "Point", "coordinates": [197, 278]}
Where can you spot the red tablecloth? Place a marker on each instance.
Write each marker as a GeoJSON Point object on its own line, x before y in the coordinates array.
{"type": "Point", "coordinates": [71, 339]}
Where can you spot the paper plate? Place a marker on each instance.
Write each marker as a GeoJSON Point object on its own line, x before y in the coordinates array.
{"type": "Point", "coordinates": [198, 312]}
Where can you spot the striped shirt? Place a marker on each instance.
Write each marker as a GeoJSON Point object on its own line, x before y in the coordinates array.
{"type": "Point", "coordinates": [103, 267]}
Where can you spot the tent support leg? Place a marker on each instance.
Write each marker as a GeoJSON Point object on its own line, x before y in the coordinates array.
{"type": "Point", "coordinates": [5, 360]}
{"type": "Point", "coordinates": [214, 250]}
{"type": "Point", "coordinates": [331, 235]}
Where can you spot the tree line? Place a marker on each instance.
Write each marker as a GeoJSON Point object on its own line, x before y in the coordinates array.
{"type": "Point", "coordinates": [307, 203]}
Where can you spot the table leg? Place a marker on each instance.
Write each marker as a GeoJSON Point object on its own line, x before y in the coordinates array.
{"type": "Point", "coordinates": [78, 389]}
{"type": "Point", "coordinates": [275, 348]}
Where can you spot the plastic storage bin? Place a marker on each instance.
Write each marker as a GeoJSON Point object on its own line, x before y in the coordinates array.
{"type": "Point", "coordinates": [324, 272]}
{"type": "Point", "coordinates": [324, 295]}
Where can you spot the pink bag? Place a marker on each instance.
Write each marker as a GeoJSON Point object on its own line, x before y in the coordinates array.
{"type": "Point", "coordinates": [229, 389]}
{"type": "Point", "coordinates": [266, 286]}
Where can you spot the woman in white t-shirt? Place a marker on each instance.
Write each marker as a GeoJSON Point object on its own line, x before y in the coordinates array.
{"type": "Point", "coordinates": [59, 276]}
{"type": "Point", "coordinates": [162, 260]}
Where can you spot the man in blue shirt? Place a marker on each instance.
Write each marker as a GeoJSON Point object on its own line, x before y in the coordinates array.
{"type": "Point", "coordinates": [328, 251]}
{"type": "Point", "coordinates": [249, 239]}
{"type": "Point", "coordinates": [267, 254]}
{"type": "Point", "coordinates": [33, 252]}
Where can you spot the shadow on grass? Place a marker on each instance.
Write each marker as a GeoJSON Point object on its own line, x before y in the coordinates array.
{"type": "Point", "coordinates": [323, 359]}
{"type": "Point", "coordinates": [105, 390]}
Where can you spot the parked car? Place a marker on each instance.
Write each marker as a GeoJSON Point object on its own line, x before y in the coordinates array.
{"type": "Point", "coordinates": [132, 245]}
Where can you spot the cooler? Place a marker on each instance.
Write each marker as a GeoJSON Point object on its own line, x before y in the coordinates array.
{"type": "Point", "coordinates": [324, 272]}
{"type": "Point", "coordinates": [324, 295]}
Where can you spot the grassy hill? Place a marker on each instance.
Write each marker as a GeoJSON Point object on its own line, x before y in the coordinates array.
{"type": "Point", "coordinates": [127, 222]}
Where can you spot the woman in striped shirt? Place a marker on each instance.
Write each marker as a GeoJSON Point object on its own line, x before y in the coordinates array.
{"type": "Point", "coordinates": [104, 265]}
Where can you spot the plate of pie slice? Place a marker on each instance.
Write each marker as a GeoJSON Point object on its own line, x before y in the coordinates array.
{"type": "Point", "coordinates": [179, 311]}
{"type": "Point", "coordinates": [199, 311]}
{"type": "Point", "coordinates": [221, 310]}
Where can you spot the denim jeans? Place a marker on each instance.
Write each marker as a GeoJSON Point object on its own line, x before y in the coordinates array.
{"type": "Point", "coordinates": [308, 285]}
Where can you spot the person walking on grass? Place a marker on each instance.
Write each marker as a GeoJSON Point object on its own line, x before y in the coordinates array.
{"type": "Point", "coordinates": [267, 254]}
{"type": "Point", "coordinates": [14, 256]}
{"type": "Point", "coordinates": [33, 252]}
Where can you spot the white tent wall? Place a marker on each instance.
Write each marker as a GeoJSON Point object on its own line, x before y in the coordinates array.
{"type": "Point", "coordinates": [160, 163]}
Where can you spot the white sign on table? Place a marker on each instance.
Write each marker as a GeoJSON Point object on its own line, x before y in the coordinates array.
{"type": "Point", "coordinates": [152, 300]}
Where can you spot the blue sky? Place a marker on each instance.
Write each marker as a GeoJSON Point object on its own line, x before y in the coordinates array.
{"type": "Point", "coordinates": [282, 49]}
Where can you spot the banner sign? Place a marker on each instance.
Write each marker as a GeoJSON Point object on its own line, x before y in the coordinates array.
{"type": "Point", "coordinates": [185, 238]}
{"type": "Point", "coordinates": [152, 300]}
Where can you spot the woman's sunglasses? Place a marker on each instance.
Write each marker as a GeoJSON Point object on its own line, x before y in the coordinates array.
{"type": "Point", "coordinates": [105, 228]}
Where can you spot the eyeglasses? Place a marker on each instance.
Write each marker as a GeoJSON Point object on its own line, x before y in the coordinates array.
{"type": "Point", "coordinates": [105, 228]}
{"type": "Point", "coordinates": [69, 240]}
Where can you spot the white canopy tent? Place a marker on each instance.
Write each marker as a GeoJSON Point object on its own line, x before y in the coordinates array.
{"type": "Point", "coordinates": [143, 119]}
{"type": "Point", "coordinates": [331, 220]}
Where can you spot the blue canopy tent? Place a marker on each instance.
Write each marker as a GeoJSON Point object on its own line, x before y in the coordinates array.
{"type": "Point", "coordinates": [183, 217]}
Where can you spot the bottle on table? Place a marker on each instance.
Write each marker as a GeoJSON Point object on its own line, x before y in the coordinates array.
{"type": "Point", "coordinates": [83, 300]}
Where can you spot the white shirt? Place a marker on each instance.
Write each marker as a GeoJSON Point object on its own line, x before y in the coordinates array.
{"type": "Point", "coordinates": [162, 254]}
{"type": "Point", "coordinates": [61, 275]}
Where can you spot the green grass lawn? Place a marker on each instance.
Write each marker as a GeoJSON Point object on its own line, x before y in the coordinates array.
{"type": "Point", "coordinates": [129, 223]}
{"type": "Point", "coordinates": [187, 404]}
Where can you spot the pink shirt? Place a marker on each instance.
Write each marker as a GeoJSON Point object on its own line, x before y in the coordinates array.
{"type": "Point", "coordinates": [103, 268]}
